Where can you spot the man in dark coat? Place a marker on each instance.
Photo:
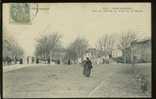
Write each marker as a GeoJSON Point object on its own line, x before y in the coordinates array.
{"type": "Point", "coordinates": [87, 67]}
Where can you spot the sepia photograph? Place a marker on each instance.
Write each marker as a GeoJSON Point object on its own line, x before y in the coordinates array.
{"type": "Point", "coordinates": [76, 50]}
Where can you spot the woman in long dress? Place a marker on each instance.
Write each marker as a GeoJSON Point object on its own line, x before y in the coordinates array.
{"type": "Point", "coordinates": [87, 67]}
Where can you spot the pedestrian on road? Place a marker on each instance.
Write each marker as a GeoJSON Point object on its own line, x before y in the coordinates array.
{"type": "Point", "coordinates": [27, 59]}
{"type": "Point", "coordinates": [21, 61]}
{"type": "Point", "coordinates": [69, 62]}
{"type": "Point", "coordinates": [37, 60]}
{"type": "Point", "coordinates": [16, 59]}
{"type": "Point", "coordinates": [87, 67]}
{"type": "Point", "coordinates": [33, 59]}
{"type": "Point", "coordinates": [48, 60]}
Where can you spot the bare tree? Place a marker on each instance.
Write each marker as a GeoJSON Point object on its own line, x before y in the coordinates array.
{"type": "Point", "coordinates": [105, 44]}
{"type": "Point", "coordinates": [125, 42]}
{"type": "Point", "coordinates": [48, 45]}
{"type": "Point", "coordinates": [77, 49]}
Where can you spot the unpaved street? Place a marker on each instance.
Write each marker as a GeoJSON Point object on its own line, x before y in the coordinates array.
{"type": "Point", "coordinates": [67, 81]}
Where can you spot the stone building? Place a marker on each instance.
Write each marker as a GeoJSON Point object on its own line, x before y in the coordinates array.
{"type": "Point", "coordinates": [141, 50]}
{"type": "Point", "coordinates": [116, 53]}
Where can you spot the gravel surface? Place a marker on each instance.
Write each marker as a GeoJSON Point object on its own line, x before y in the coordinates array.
{"type": "Point", "coordinates": [48, 81]}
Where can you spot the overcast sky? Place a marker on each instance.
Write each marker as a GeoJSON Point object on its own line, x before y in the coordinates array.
{"type": "Point", "coordinates": [89, 21]}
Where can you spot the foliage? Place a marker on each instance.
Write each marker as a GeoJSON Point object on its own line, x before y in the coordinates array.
{"type": "Point", "coordinates": [77, 49]}
{"type": "Point", "coordinates": [11, 49]}
{"type": "Point", "coordinates": [48, 45]}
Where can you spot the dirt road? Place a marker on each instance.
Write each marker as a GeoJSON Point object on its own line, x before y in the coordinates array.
{"type": "Point", "coordinates": [45, 81]}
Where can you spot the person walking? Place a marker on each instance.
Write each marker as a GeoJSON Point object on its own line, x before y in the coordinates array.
{"type": "Point", "coordinates": [87, 67]}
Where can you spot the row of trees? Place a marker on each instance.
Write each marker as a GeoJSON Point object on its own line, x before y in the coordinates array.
{"type": "Point", "coordinates": [49, 45]}
{"type": "Point", "coordinates": [77, 49]}
{"type": "Point", "coordinates": [106, 44]}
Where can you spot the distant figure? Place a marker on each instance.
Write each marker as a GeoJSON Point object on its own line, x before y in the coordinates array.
{"type": "Point", "coordinates": [33, 59]}
{"type": "Point", "coordinates": [87, 67]}
{"type": "Point", "coordinates": [16, 60]}
{"type": "Point", "coordinates": [28, 60]}
{"type": "Point", "coordinates": [134, 60]}
{"type": "Point", "coordinates": [48, 60]}
{"type": "Point", "coordinates": [21, 61]}
{"type": "Point", "coordinates": [58, 61]}
{"type": "Point", "coordinates": [37, 61]}
{"type": "Point", "coordinates": [69, 62]}
{"type": "Point", "coordinates": [103, 61]}
{"type": "Point", "coordinates": [8, 60]}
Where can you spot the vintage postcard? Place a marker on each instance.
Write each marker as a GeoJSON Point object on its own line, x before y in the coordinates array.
{"type": "Point", "coordinates": [76, 50]}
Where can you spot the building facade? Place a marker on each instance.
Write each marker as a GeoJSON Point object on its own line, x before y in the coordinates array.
{"type": "Point", "coordinates": [142, 50]}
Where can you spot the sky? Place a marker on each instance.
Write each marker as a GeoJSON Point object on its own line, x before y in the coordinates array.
{"type": "Point", "coordinates": [87, 20]}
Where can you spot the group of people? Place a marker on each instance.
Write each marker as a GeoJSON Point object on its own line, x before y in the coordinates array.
{"type": "Point", "coordinates": [8, 60]}
{"type": "Point", "coordinates": [31, 60]}
{"type": "Point", "coordinates": [87, 64]}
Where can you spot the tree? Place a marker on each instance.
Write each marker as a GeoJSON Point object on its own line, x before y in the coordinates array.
{"type": "Point", "coordinates": [105, 44]}
{"type": "Point", "coordinates": [48, 45]}
{"type": "Point", "coordinates": [77, 49]}
{"type": "Point", "coordinates": [6, 48]}
{"type": "Point", "coordinates": [11, 49]}
{"type": "Point", "coordinates": [125, 42]}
